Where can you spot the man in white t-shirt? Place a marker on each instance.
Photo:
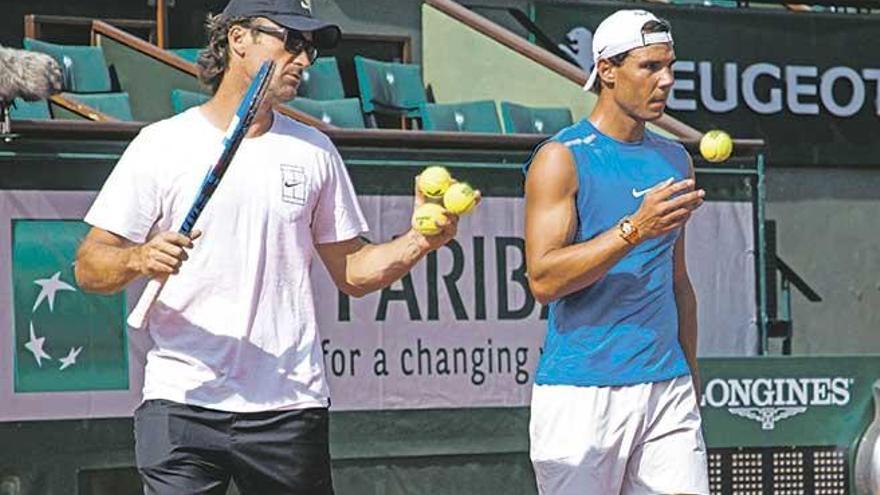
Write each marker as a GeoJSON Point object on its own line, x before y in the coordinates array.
{"type": "Point", "coordinates": [234, 386]}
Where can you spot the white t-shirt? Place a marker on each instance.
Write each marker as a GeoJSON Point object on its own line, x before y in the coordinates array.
{"type": "Point", "coordinates": [235, 330]}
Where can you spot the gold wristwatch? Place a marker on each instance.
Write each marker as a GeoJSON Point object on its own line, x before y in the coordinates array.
{"type": "Point", "coordinates": [628, 231]}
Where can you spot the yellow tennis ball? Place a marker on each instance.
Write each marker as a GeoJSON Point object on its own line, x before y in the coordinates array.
{"type": "Point", "coordinates": [716, 146]}
{"type": "Point", "coordinates": [425, 218]}
{"type": "Point", "coordinates": [460, 198]}
{"type": "Point", "coordinates": [433, 181]}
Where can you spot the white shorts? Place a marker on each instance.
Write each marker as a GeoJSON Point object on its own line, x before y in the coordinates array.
{"type": "Point", "coordinates": [632, 440]}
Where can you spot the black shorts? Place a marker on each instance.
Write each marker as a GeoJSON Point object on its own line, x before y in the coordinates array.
{"type": "Point", "coordinates": [189, 449]}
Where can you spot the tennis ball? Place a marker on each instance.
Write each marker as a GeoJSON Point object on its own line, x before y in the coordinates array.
{"type": "Point", "coordinates": [716, 146]}
{"type": "Point", "coordinates": [433, 181]}
{"type": "Point", "coordinates": [425, 218]}
{"type": "Point", "coordinates": [460, 198]}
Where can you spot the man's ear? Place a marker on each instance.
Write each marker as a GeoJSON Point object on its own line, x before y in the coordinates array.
{"type": "Point", "coordinates": [607, 72]}
{"type": "Point", "coordinates": [237, 37]}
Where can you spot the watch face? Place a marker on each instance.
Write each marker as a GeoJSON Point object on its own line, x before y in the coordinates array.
{"type": "Point", "coordinates": [627, 228]}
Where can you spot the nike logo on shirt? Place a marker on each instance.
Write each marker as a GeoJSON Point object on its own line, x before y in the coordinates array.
{"type": "Point", "coordinates": [639, 194]}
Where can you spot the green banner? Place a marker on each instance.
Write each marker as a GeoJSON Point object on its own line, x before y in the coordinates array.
{"type": "Point", "coordinates": [760, 73]}
{"type": "Point", "coordinates": [65, 340]}
{"type": "Point", "coordinates": [787, 400]}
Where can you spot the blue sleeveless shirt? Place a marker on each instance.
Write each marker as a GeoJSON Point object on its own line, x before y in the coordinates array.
{"type": "Point", "coordinates": [623, 329]}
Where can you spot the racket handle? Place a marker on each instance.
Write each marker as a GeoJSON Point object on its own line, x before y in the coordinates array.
{"type": "Point", "coordinates": [138, 316]}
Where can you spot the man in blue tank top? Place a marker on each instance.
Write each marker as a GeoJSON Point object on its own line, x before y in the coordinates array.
{"type": "Point", "coordinates": [614, 407]}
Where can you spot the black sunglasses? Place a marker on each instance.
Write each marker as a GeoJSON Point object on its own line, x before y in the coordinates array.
{"type": "Point", "coordinates": [294, 41]}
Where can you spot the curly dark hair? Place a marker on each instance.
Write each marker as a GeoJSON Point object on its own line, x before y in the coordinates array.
{"type": "Point", "coordinates": [658, 26]}
{"type": "Point", "coordinates": [214, 59]}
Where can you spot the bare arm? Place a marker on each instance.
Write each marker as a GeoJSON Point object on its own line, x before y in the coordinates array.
{"type": "Point", "coordinates": [686, 303]}
{"type": "Point", "coordinates": [358, 268]}
{"type": "Point", "coordinates": [106, 262]}
{"type": "Point", "coordinates": [557, 267]}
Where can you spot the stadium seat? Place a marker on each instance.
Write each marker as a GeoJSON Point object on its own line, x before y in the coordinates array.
{"type": "Point", "coordinates": [519, 119]}
{"type": "Point", "coordinates": [113, 104]}
{"type": "Point", "coordinates": [188, 54]}
{"type": "Point", "coordinates": [182, 99]}
{"type": "Point", "coordinates": [390, 88]}
{"type": "Point", "coordinates": [475, 116]}
{"type": "Point", "coordinates": [34, 110]}
{"type": "Point", "coordinates": [345, 112]}
{"type": "Point", "coordinates": [321, 81]}
{"type": "Point", "coordinates": [84, 68]}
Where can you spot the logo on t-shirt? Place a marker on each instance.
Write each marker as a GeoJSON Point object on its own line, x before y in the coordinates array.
{"type": "Point", "coordinates": [639, 194]}
{"type": "Point", "coordinates": [293, 184]}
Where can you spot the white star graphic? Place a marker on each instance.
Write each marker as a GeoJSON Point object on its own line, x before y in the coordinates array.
{"type": "Point", "coordinates": [35, 345]}
{"type": "Point", "coordinates": [49, 287]}
{"type": "Point", "coordinates": [70, 359]}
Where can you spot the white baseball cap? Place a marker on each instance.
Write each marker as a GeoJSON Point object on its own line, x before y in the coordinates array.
{"type": "Point", "coordinates": [621, 32]}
